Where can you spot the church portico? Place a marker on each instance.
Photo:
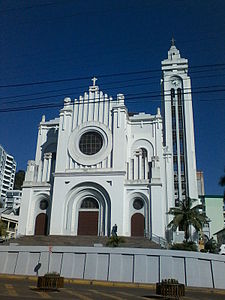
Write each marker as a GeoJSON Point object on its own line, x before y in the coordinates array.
{"type": "Point", "coordinates": [139, 212]}
{"type": "Point", "coordinates": [79, 197]}
{"type": "Point", "coordinates": [87, 199]}
{"type": "Point", "coordinates": [41, 217]}
{"type": "Point", "coordinates": [35, 209]}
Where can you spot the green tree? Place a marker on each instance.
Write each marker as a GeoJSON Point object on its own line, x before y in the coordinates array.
{"type": "Point", "coordinates": [19, 178]}
{"type": "Point", "coordinates": [185, 215]}
{"type": "Point", "coordinates": [2, 229]}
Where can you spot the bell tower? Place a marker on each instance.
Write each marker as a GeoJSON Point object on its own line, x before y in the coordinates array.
{"type": "Point", "coordinates": [178, 123]}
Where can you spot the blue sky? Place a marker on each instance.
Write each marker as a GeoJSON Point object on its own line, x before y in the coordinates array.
{"type": "Point", "coordinates": [54, 40]}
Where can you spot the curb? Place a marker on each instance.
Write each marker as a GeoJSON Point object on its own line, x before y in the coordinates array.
{"type": "Point", "coordinates": [114, 284]}
{"type": "Point", "coordinates": [85, 281]}
{"type": "Point", "coordinates": [110, 283]}
{"type": "Point", "coordinates": [18, 277]}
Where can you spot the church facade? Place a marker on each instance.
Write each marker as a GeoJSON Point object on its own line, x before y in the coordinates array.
{"type": "Point", "coordinates": [96, 165]}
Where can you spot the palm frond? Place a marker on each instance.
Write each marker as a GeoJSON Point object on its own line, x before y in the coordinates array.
{"type": "Point", "coordinates": [187, 214]}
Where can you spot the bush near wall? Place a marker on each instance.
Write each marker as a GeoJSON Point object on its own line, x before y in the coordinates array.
{"type": "Point", "coordinates": [185, 246]}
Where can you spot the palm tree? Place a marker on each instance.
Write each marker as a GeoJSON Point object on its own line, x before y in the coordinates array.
{"type": "Point", "coordinates": [186, 215]}
{"type": "Point", "coordinates": [222, 182]}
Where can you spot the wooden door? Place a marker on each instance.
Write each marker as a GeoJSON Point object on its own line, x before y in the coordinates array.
{"type": "Point", "coordinates": [88, 223]}
{"type": "Point", "coordinates": [137, 225]}
{"type": "Point", "coordinates": [41, 224]}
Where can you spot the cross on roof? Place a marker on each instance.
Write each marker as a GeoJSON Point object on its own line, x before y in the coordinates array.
{"type": "Point", "coordinates": [94, 80]}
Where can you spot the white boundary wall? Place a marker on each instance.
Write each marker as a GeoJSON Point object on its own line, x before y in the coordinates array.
{"type": "Point", "coordinates": [116, 264]}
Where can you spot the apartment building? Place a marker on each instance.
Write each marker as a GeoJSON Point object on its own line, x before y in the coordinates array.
{"type": "Point", "coordinates": [7, 173]}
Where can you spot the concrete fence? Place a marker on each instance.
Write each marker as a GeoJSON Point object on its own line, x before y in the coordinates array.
{"type": "Point", "coordinates": [116, 264]}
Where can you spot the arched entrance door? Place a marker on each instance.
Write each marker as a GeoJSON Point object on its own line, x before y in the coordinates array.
{"type": "Point", "coordinates": [137, 225]}
{"type": "Point", "coordinates": [88, 217]}
{"type": "Point", "coordinates": [41, 224]}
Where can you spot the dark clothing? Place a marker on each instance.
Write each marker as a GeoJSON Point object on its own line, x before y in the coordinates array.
{"type": "Point", "coordinates": [114, 230]}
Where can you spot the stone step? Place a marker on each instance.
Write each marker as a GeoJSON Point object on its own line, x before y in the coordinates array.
{"type": "Point", "coordinates": [88, 241]}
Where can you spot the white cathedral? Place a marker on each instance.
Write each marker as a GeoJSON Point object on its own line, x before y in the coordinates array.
{"type": "Point", "coordinates": [97, 165]}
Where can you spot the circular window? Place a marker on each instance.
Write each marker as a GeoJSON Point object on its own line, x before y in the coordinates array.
{"type": "Point", "coordinates": [43, 204]}
{"type": "Point", "coordinates": [138, 203]}
{"type": "Point", "coordinates": [90, 143]}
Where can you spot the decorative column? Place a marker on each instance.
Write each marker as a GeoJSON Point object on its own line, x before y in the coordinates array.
{"type": "Point", "coordinates": [146, 167]}
{"type": "Point", "coordinates": [157, 205]}
{"type": "Point", "coordinates": [30, 171]}
{"type": "Point", "coordinates": [131, 169]}
{"type": "Point", "coordinates": [39, 171]}
{"type": "Point", "coordinates": [139, 154]}
{"type": "Point", "coordinates": [49, 157]}
{"type": "Point", "coordinates": [135, 166]}
{"type": "Point", "coordinates": [46, 167]}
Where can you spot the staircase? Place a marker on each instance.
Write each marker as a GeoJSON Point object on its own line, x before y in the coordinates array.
{"type": "Point", "coordinates": [85, 241]}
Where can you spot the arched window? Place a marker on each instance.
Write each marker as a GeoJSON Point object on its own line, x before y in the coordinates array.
{"type": "Point", "coordinates": [172, 96]}
{"type": "Point", "coordinates": [144, 153]}
{"type": "Point", "coordinates": [89, 203]}
{"type": "Point", "coordinates": [144, 164]}
{"type": "Point", "coordinates": [179, 96]}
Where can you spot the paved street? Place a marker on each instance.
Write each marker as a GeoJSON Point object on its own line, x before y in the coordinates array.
{"type": "Point", "coordinates": [20, 289]}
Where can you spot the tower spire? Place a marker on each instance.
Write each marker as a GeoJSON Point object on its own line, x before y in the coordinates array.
{"type": "Point", "coordinates": [179, 124]}
{"type": "Point", "coordinates": [173, 41]}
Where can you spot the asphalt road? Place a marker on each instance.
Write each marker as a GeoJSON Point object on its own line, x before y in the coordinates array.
{"type": "Point", "coordinates": [22, 289]}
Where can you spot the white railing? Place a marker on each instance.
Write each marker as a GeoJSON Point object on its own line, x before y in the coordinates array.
{"type": "Point", "coordinates": [159, 240]}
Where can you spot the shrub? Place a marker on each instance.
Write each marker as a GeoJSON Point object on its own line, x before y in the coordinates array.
{"type": "Point", "coordinates": [185, 246]}
{"type": "Point", "coordinates": [52, 274]}
{"type": "Point", "coordinates": [211, 246]}
{"type": "Point", "coordinates": [114, 241]}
